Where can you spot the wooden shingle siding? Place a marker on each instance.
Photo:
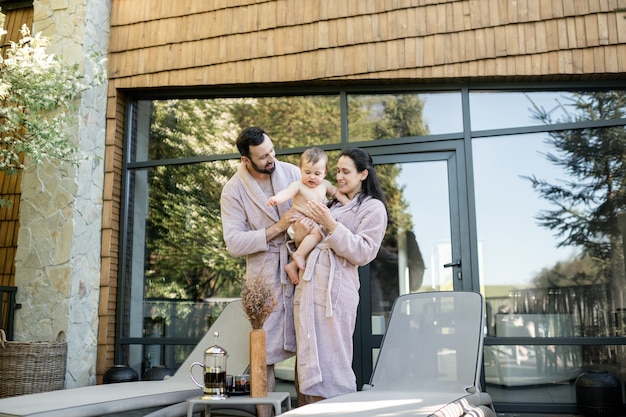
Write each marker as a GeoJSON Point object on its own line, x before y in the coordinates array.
{"type": "Point", "coordinates": [277, 41]}
{"type": "Point", "coordinates": [111, 209]}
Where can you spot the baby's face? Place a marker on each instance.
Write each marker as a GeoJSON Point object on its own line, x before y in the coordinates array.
{"type": "Point", "coordinates": [313, 174]}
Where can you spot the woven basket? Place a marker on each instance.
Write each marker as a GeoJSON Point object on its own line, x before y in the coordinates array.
{"type": "Point", "coordinates": [30, 367]}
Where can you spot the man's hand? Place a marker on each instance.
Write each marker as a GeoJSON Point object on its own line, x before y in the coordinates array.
{"type": "Point", "coordinates": [283, 224]}
{"type": "Point", "coordinates": [302, 227]}
{"type": "Point", "coordinates": [292, 215]}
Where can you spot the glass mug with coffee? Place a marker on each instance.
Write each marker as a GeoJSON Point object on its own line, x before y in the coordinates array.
{"type": "Point", "coordinates": [214, 372]}
{"type": "Point", "coordinates": [242, 383]}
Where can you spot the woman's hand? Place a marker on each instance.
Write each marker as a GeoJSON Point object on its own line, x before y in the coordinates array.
{"type": "Point", "coordinates": [322, 215]}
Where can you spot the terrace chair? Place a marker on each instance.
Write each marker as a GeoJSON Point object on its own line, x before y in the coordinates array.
{"type": "Point", "coordinates": [100, 400]}
{"type": "Point", "coordinates": [429, 363]}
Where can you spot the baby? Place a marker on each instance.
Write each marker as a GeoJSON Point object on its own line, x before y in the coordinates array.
{"type": "Point", "coordinates": [312, 186]}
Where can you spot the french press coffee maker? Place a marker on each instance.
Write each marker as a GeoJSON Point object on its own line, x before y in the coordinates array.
{"type": "Point", "coordinates": [214, 371]}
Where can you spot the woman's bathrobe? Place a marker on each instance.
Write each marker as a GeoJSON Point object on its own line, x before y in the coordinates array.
{"type": "Point", "coordinates": [326, 299]}
{"type": "Point", "coordinates": [245, 216]}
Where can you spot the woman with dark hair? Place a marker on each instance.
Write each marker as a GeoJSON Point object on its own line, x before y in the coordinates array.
{"type": "Point", "coordinates": [326, 299]}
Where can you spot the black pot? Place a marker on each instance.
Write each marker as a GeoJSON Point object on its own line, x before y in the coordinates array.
{"type": "Point", "coordinates": [157, 373]}
{"type": "Point", "coordinates": [120, 373]}
{"type": "Point", "coordinates": [598, 394]}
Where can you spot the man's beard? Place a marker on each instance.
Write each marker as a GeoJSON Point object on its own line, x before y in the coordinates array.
{"type": "Point", "coordinates": [263, 170]}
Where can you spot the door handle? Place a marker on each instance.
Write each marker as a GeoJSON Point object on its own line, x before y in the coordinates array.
{"type": "Point", "coordinates": [455, 263]}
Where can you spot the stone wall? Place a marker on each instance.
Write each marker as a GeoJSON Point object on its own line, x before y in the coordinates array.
{"type": "Point", "coordinates": [58, 256]}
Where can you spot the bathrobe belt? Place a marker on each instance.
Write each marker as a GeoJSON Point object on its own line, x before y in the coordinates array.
{"type": "Point", "coordinates": [308, 273]}
{"type": "Point", "coordinates": [311, 372]}
{"type": "Point", "coordinates": [283, 254]}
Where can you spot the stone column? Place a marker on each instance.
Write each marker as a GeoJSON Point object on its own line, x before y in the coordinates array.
{"type": "Point", "coordinates": [58, 255]}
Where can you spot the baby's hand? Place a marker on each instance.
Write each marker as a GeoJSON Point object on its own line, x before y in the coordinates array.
{"type": "Point", "coordinates": [342, 198]}
{"type": "Point", "coordinates": [271, 201]}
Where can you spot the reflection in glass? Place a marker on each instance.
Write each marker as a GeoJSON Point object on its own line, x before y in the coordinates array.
{"type": "Point", "coordinates": [506, 109]}
{"type": "Point", "coordinates": [539, 268]}
{"type": "Point", "coordinates": [514, 248]}
{"type": "Point", "coordinates": [387, 116]}
{"type": "Point", "coordinates": [184, 233]}
{"type": "Point", "coordinates": [412, 255]}
{"type": "Point", "coordinates": [175, 253]}
{"type": "Point", "coordinates": [550, 267]}
{"type": "Point", "coordinates": [531, 366]}
{"type": "Point", "coordinates": [182, 128]}
{"type": "Point", "coordinates": [545, 372]}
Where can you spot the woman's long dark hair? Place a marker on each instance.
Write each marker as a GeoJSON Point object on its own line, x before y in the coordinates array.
{"type": "Point", "coordinates": [370, 187]}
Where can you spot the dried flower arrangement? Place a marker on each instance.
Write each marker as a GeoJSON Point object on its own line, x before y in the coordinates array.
{"type": "Point", "coordinates": [258, 301]}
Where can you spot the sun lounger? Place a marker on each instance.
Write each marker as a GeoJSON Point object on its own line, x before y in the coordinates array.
{"type": "Point", "coordinates": [429, 363]}
{"type": "Point", "coordinates": [99, 400]}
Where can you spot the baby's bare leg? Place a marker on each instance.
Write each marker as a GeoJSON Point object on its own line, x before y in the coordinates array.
{"type": "Point", "coordinates": [306, 246]}
{"type": "Point", "coordinates": [299, 260]}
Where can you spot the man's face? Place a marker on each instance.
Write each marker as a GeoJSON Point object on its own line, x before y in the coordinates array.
{"type": "Point", "coordinates": [262, 157]}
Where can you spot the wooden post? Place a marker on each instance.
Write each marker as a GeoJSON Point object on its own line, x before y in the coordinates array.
{"type": "Point", "coordinates": [258, 366]}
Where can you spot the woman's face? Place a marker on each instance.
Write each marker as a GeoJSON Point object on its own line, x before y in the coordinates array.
{"type": "Point", "coordinates": [348, 178]}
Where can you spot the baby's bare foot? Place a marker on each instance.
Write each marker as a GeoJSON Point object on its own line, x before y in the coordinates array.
{"type": "Point", "coordinates": [292, 271]}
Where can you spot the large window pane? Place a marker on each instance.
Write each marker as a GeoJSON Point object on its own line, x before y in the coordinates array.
{"type": "Point", "coordinates": [502, 109]}
{"type": "Point", "coordinates": [513, 247]}
{"type": "Point", "coordinates": [179, 273]}
{"type": "Point", "coordinates": [175, 256]}
{"type": "Point", "coordinates": [537, 280]}
{"type": "Point", "coordinates": [204, 127]}
{"type": "Point", "coordinates": [411, 257]}
{"type": "Point", "coordinates": [543, 276]}
{"type": "Point", "coordinates": [388, 116]}
{"type": "Point", "coordinates": [525, 248]}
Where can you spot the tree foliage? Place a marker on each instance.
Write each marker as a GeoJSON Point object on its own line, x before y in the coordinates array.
{"type": "Point", "coordinates": [299, 121]}
{"type": "Point", "coordinates": [37, 94]}
{"type": "Point", "coordinates": [187, 257]}
{"type": "Point", "coordinates": [186, 254]}
{"type": "Point", "coordinates": [388, 117]}
{"type": "Point", "coordinates": [587, 204]}
{"type": "Point", "coordinates": [574, 272]}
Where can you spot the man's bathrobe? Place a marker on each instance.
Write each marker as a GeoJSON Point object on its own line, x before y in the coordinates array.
{"type": "Point", "coordinates": [245, 216]}
{"type": "Point", "coordinates": [326, 299]}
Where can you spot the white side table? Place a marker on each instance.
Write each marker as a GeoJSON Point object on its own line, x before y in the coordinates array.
{"type": "Point", "coordinates": [273, 398]}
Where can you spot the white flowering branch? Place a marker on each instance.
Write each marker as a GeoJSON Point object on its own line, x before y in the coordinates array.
{"type": "Point", "coordinates": [37, 99]}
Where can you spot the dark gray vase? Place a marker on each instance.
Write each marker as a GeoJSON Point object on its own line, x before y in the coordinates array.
{"type": "Point", "coordinates": [157, 373]}
{"type": "Point", "coordinates": [598, 394]}
{"type": "Point", "coordinates": [120, 373]}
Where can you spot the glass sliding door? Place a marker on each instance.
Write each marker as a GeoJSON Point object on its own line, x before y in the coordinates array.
{"type": "Point", "coordinates": [423, 252]}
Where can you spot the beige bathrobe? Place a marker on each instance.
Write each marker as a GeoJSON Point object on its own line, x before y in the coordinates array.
{"type": "Point", "coordinates": [326, 299]}
{"type": "Point", "coordinates": [245, 216]}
